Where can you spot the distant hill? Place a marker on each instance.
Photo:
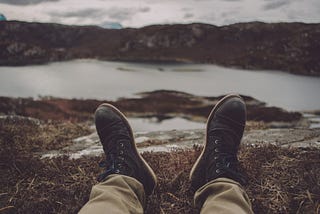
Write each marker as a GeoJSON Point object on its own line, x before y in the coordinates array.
{"type": "Point", "coordinates": [2, 17]}
{"type": "Point", "coordinates": [291, 47]}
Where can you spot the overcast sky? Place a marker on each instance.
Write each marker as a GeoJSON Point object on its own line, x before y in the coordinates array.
{"type": "Point", "coordinates": [137, 13]}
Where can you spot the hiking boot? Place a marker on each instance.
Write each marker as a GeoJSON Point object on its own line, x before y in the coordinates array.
{"type": "Point", "coordinates": [122, 156]}
{"type": "Point", "coordinates": [225, 128]}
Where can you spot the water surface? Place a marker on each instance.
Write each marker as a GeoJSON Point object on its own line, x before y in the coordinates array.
{"type": "Point", "coordinates": [112, 80]}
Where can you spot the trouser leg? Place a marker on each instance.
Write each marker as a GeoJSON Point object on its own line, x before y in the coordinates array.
{"type": "Point", "coordinates": [117, 194]}
{"type": "Point", "coordinates": [222, 195]}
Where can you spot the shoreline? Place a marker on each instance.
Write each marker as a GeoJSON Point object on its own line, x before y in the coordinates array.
{"type": "Point", "coordinates": [160, 104]}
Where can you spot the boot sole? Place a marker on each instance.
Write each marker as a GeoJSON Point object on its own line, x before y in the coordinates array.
{"type": "Point", "coordinates": [145, 165]}
{"type": "Point", "coordinates": [213, 111]}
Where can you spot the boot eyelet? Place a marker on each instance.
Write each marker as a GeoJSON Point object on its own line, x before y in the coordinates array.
{"type": "Point", "coordinates": [218, 170]}
{"type": "Point", "coordinates": [216, 142]}
{"type": "Point", "coordinates": [216, 150]}
{"type": "Point", "coordinates": [216, 157]}
{"type": "Point", "coordinates": [121, 145]}
{"type": "Point", "coordinates": [121, 152]}
{"type": "Point", "coordinates": [117, 171]}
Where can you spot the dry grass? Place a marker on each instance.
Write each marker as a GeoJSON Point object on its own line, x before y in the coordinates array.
{"type": "Point", "coordinates": [21, 134]}
{"type": "Point", "coordinates": [280, 180]}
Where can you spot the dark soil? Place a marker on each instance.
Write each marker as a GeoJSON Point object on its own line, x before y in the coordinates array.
{"type": "Point", "coordinates": [280, 180]}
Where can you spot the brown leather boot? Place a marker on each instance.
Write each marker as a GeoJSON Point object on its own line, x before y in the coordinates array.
{"type": "Point", "coordinates": [122, 156]}
{"type": "Point", "coordinates": [225, 128]}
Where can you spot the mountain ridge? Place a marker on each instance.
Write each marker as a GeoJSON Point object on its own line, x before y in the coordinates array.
{"type": "Point", "coordinates": [290, 47]}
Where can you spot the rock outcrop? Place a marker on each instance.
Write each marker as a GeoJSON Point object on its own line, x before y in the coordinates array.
{"type": "Point", "coordinates": [159, 104]}
{"type": "Point", "coordinates": [291, 47]}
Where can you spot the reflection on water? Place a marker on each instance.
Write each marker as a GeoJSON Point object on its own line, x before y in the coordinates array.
{"type": "Point", "coordinates": [152, 124]}
{"type": "Point", "coordinates": [111, 80]}
{"type": "Point", "coordinates": [314, 120]}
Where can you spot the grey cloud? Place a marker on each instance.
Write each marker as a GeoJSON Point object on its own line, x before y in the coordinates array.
{"type": "Point", "coordinates": [275, 4]}
{"type": "Point", "coordinates": [122, 14]}
{"type": "Point", "coordinates": [230, 13]}
{"type": "Point", "coordinates": [93, 13]}
{"type": "Point", "coordinates": [144, 9]}
{"type": "Point", "coordinates": [186, 9]}
{"type": "Point", "coordinates": [116, 14]}
{"type": "Point", "coordinates": [24, 2]}
{"type": "Point", "coordinates": [188, 15]}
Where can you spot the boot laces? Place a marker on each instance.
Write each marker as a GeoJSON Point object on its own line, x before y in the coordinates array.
{"type": "Point", "coordinates": [224, 160]}
{"type": "Point", "coordinates": [117, 157]}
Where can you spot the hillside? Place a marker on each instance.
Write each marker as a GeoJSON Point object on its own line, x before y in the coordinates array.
{"type": "Point", "coordinates": [291, 47]}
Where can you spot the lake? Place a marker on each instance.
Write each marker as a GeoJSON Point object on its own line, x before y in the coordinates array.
{"type": "Point", "coordinates": [112, 80]}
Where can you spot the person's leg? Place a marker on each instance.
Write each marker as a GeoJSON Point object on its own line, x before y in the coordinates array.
{"type": "Point", "coordinates": [117, 194]}
{"type": "Point", "coordinates": [128, 177]}
{"type": "Point", "coordinates": [222, 195]}
{"type": "Point", "coordinates": [215, 175]}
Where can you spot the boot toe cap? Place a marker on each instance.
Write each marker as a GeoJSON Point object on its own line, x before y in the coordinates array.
{"type": "Point", "coordinates": [234, 109]}
{"type": "Point", "coordinates": [104, 116]}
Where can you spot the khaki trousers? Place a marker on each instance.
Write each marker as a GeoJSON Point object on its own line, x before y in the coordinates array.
{"type": "Point", "coordinates": [123, 194]}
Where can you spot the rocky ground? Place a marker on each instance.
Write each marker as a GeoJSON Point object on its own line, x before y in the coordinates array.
{"type": "Point", "coordinates": [280, 154]}
{"type": "Point", "coordinates": [161, 104]}
{"type": "Point", "coordinates": [291, 47]}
